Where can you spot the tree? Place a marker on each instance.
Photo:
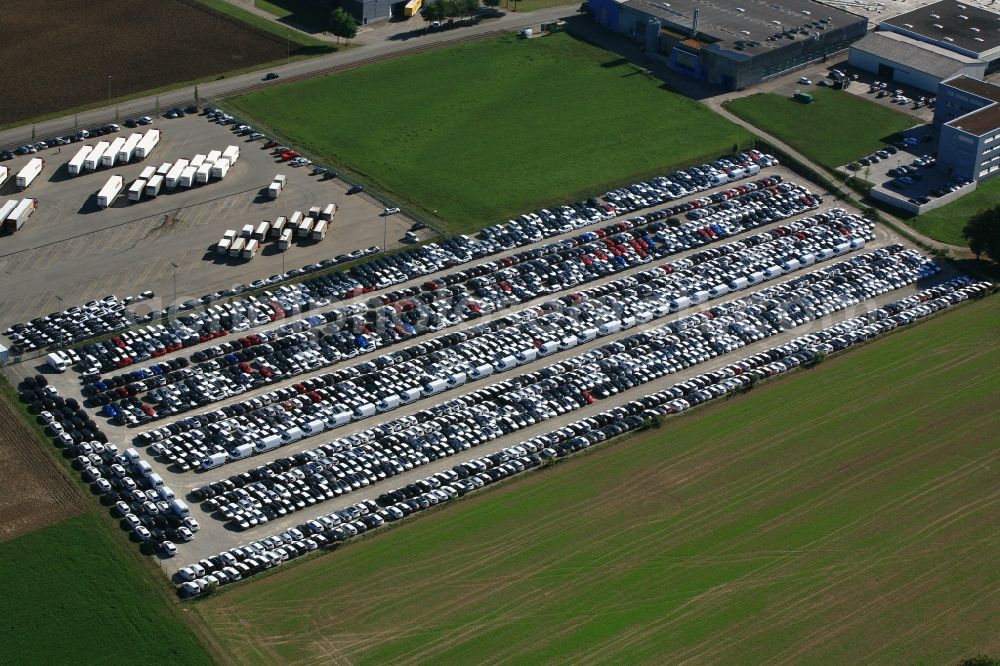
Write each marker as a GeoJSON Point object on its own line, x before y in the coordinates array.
{"type": "Point", "coordinates": [492, 3]}
{"type": "Point", "coordinates": [435, 10]}
{"type": "Point", "coordinates": [982, 231]}
{"type": "Point", "coordinates": [342, 24]}
{"type": "Point", "coordinates": [470, 7]}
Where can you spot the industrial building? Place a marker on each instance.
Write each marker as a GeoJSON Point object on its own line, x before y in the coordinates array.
{"type": "Point", "coordinates": [939, 41]}
{"type": "Point", "coordinates": [733, 44]}
{"type": "Point", "coordinates": [967, 116]}
{"type": "Point", "coordinates": [895, 57]}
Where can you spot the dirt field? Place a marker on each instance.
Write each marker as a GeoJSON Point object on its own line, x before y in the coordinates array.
{"type": "Point", "coordinates": [35, 492]}
{"type": "Point", "coordinates": [72, 47]}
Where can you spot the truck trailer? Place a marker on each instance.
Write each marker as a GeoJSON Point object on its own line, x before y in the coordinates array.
{"type": "Point", "coordinates": [277, 185]}
{"type": "Point", "coordinates": [75, 165]}
{"type": "Point", "coordinates": [305, 227]}
{"type": "Point", "coordinates": [285, 240]}
{"type": "Point", "coordinates": [197, 160]}
{"type": "Point", "coordinates": [231, 153]}
{"type": "Point", "coordinates": [153, 185]}
{"type": "Point", "coordinates": [250, 249]}
{"type": "Point", "coordinates": [188, 176]}
{"type": "Point", "coordinates": [107, 194]}
{"type": "Point", "coordinates": [147, 143]}
{"type": "Point", "coordinates": [278, 226]}
{"type": "Point", "coordinates": [236, 247]}
{"type": "Point", "coordinates": [136, 190]}
{"type": "Point", "coordinates": [127, 151]}
{"type": "Point", "coordinates": [17, 217]}
{"type": "Point", "coordinates": [213, 156]}
{"type": "Point", "coordinates": [203, 173]}
{"type": "Point", "coordinates": [93, 160]}
{"type": "Point", "coordinates": [26, 176]}
{"type": "Point", "coordinates": [319, 230]}
{"type": "Point", "coordinates": [220, 168]}
{"type": "Point", "coordinates": [173, 178]}
{"type": "Point", "coordinates": [328, 212]}
{"type": "Point", "coordinates": [6, 208]}
{"type": "Point", "coordinates": [227, 239]}
{"type": "Point", "coordinates": [147, 172]}
{"type": "Point", "coordinates": [110, 155]}
{"type": "Point", "coordinates": [262, 230]}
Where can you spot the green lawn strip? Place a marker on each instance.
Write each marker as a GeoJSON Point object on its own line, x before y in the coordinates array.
{"type": "Point", "coordinates": [946, 223]}
{"type": "Point", "coordinates": [844, 514]}
{"type": "Point", "coordinates": [476, 133]}
{"type": "Point", "coordinates": [838, 128]}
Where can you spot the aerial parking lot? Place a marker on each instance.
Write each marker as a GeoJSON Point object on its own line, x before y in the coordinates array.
{"type": "Point", "coordinates": [134, 246]}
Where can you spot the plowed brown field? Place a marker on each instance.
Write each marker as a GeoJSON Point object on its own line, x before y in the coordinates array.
{"type": "Point", "coordinates": [34, 492]}
{"type": "Point", "coordinates": [58, 53]}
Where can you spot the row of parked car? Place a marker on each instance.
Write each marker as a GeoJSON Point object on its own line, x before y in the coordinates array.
{"type": "Point", "coordinates": [477, 473]}
{"type": "Point", "coordinates": [356, 461]}
{"type": "Point", "coordinates": [384, 272]}
{"type": "Point", "coordinates": [146, 506]}
{"type": "Point", "coordinates": [263, 358]}
{"type": "Point", "coordinates": [308, 408]}
{"type": "Point", "coordinates": [405, 375]}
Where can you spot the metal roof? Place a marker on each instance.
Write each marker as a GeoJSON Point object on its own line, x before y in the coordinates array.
{"type": "Point", "coordinates": [965, 26]}
{"type": "Point", "coordinates": [746, 25]}
{"type": "Point", "coordinates": [912, 53]}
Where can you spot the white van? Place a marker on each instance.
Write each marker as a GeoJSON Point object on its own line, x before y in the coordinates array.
{"type": "Point", "coordinates": [243, 451]}
{"type": "Point", "coordinates": [435, 386]}
{"type": "Point", "coordinates": [364, 411]}
{"type": "Point", "coordinates": [268, 443]}
{"type": "Point", "coordinates": [411, 394]}
{"type": "Point", "coordinates": [179, 508]}
{"type": "Point", "coordinates": [480, 371]}
{"type": "Point", "coordinates": [387, 403]}
{"type": "Point", "coordinates": [214, 460]}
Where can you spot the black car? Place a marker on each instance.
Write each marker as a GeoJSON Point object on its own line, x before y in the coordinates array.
{"type": "Point", "coordinates": [328, 175]}
{"type": "Point", "coordinates": [6, 155]}
{"type": "Point", "coordinates": [174, 113]}
{"type": "Point", "coordinates": [355, 189]}
{"type": "Point", "coordinates": [193, 109]}
{"type": "Point", "coordinates": [270, 76]}
{"type": "Point", "coordinates": [131, 122]}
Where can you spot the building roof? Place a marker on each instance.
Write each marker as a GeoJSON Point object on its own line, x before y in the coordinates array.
{"type": "Point", "coordinates": [984, 120]}
{"type": "Point", "coordinates": [910, 52]}
{"type": "Point", "coordinates": [746, 25]}
{"type": "Point", "coordinates": [964, 26]}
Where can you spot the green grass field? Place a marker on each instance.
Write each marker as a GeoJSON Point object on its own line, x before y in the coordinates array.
{"type": "Point", "coordinates": [480, 132]}
{"type": "Point", "coordinates": [838, 128]}
{"type": "Point", "coordinates": [71, 596]}
{"type": "Point", "coordinates": [303, 43]}
{"type": "Point", "coordinates": [847, 514]}
{"type": "Point", "coordinates": [946, 223]}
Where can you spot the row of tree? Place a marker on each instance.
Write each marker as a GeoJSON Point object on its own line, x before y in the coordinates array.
{"type": "Point", "coordinates": [439, 10]}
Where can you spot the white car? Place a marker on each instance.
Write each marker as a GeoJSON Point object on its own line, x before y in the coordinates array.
{"type": "Point", "coordinates": [169, 549]}
{"type": "Point", "coordinates": [805, 81]}
{"type": "Point", "coordinates": [390, 211]}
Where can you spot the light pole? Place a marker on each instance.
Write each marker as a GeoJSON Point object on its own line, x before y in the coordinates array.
{"type": "Point", "coordinates": [109, 90]}
{"type": "Point", "coordinates": [288, 47]}
{"type": "Point", "coordinates": [175, 285]}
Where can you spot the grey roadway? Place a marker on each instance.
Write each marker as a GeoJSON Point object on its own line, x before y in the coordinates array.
{"type": "Point", "coordinates": [381, 41]}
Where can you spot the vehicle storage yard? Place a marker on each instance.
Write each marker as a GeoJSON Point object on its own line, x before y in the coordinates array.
{"type": "Point", "coordinates": [287, 429]}
{"type": "Point", "coordinates": [132, 246]}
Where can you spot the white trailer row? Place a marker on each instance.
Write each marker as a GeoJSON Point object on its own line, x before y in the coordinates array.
{"type": "Point", "coordinates": [107, 154]}
{"type": "Point", "coordinates": [183, 173]}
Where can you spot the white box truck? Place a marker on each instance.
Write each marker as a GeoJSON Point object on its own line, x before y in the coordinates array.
{"type": "Point", "coordinates": [277, 185]}
{"type": "Point", "coordinates": [305, 226]}
{"type": "Point", "coordinates": [136, 190]}
{"type": "Point", "coordinates": [328, 212]}
{"type": "Point", "coordinates": [110, 155]}
{"type": "Point", "coordinates": [127, 151]}
{"type": "Point", "coordinates": [22, 211]}
{"type": "Point", "coordinates": [188, 176]}
{"type": "Point", "coordinates": [29, 172]}
{"type": "Point", "coordinates": [236, 247]}
{"type": "Point", "coordinates": [220, 168]}
{"type": "Point", "coordinates": [147, 143]}
{"type": "Point", "coordinates": [153, 185]}
{"type": "Point", "coordinates": [203, 173]}
{"type": "Point", "coordinates": [107, 194]}
{"type": "Point", "coordinates": [227, 239]}
{"type": "Point", "coordinates": [319, 230]}
{"type": "Point", "coordinates": [278, 226]}
{"type": "Point", "coordinates": [250, 249]}
{"type": "Point", "coordinates": [231, 153]}
{"type": "Point", "coordinates": [173, 178]}
{"type": "Point", "coordinates": [262, 230]}
{"type": "Point", "coordinates": [93, 160]}
{"type": "Point", "coordinates": [147, 172]}
{"type": "Point", "coordinates": [285, 240]}
{"type": "Point", "coordinates": [75, 165]}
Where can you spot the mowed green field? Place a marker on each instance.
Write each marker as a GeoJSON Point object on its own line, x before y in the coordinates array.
{"type": "Point", "coordinates": [847, 514]}
{"type": "Point", "coordinates": [484, 131]}
{"type": "Point", "coordinates": [838, 128]}
{"type": "Point", "coordinates": [70, 596]}
{"type": "Point", "coordinates": [946, 223]}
